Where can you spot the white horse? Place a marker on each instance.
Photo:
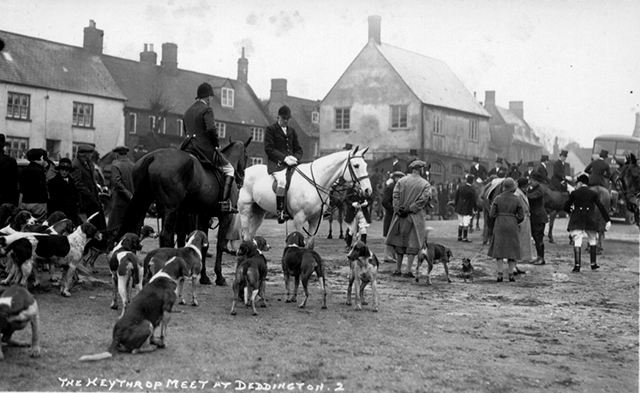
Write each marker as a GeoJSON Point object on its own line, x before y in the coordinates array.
{"type": "Point", "coordinates": [308, 193]}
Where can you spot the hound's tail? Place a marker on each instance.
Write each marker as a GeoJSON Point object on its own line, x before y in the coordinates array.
{"type": "Point", "coordinates": [97, 356]}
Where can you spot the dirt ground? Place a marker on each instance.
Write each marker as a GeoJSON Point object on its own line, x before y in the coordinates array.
{"type": "Point", "coordinates": [550, 331]}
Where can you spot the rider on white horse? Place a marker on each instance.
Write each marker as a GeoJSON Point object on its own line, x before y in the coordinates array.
{"type": "Point", "coordinates": [283, 151]}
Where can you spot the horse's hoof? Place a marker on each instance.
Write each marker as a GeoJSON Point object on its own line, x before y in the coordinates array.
{"type": "Point", "coordinates": [255, 314]}
{"type": "Point", "coordinates": [194, 304]}
{"type": "Point", "coordinates": [65, 293]}
{"type": "Point", "coordinates": [233, 312]}
{"type": "Point", "coordinates": [348, 303]}
{"type": "Point", "coordinates": [287, 301]}
{"type": "Point", "coordinates": [329, 237]}
{"type": "Point", "coordinates": [114, 306]}
{"type": "Point", "coordinates": [204, 280]}
{"type": "Point", "coordinates": [221, 282]}
{"type": "Point", "coordinates": [182, 302]}
{"type": "Point", "coordinates": [324, 307]}
{"type": "Point", "coordinates": [375, 309]}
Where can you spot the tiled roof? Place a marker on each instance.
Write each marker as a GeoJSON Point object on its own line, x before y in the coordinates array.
{"type": "Point", "coordinates": [301, 109]}
{"type": "Point", "coordinates": [431, 80]}
{"type": "Point", "coordinates": [140, 82]}
{"type": "Point", "coordinates": [50, 65]}
{"type": "Point", "coordinates": [522, 131]}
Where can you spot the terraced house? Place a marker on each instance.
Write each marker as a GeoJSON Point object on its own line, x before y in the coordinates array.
{"type": "Point", "coordinates": [56, 96]}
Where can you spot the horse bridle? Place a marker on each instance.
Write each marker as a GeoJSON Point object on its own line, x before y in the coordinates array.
{"type": "Point", "coordinates": [327, 191]}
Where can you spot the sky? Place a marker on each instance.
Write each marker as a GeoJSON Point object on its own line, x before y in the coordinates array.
{"type": "Point", "coordinates": [574, 64]}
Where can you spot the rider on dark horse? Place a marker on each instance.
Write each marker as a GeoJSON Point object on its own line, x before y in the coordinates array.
{"type": "Point", "coordinates": [598, 170]}
{"type": "Point", "coordinates": [559, 177]}
{"type": "Point", "coordinates": [202, 141]}
{"type": "Point", "coordinates": [283, 152]}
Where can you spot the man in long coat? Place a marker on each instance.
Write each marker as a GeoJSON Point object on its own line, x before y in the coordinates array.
{"type": "Point", "coordinates": [387, 204]}
{"type": "Point", "coordinates": [121, 185]}
{"type": "Point", "coordinates": [507, 213]}
{"type": "Point", "coordinates": [283, 151]}
{"type": "Point", "coordinates": [408, 225]}
{"type": "Point", "coordinates": [539, 216]}
{"type": "Point", "coordinates": [582, 223]}
{"type": "Point", "coordinates": [465, 202]}
{"type": "Point", "coordinates": [87, 187]}
{"type": "Point", "coordinates": [598, 170]}
{"type": "Point", "coordinates": [63, 195]}
{"type": "Point", "coordinates": [542, 168]}
{"type": "Point", "coordinates": [8, 176]}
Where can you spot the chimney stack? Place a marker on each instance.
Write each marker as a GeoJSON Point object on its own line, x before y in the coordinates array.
{"type": "Point", "coordinates": [636, 129]}
{"type": "Point", "coordinates": [517, 107]}
{"type": "Point", "coordinates": [278, 96]}
{"type": "Point", "coordinates": [243, 69]}
{"type": "Point", "coordinates": [374, 28]}
{"type": "Point", "coordinates": [93, 38]}
{"type": "Point", "coordinates": [148, 56]}
{"type": "Point", "coordinates": [169, 56]}
{"type": "Point", "coordinates": [489, 98]}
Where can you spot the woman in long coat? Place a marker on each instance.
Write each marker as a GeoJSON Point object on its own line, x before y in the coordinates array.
{"type": "Point", "coordinates": [507, 213]}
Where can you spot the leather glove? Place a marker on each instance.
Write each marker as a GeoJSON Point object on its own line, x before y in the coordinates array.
{"type": "Point", "coordinates": [290, 160]}
{"type": "Point", "coordinates": [403, 211]}
{"type": "Point", "coordinates": [355, 204]}
{"type": "Point", "coordinates": [607, 226]}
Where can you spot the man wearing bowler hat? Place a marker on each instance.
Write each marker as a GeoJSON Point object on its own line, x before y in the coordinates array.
{"type": "Point", "coordinates": [598, 170]}
{"type": "Point", "coordinates": [283, 152]}
{"type": "Point", "coordinates": [478, 170]}
{"type": "Point", "coordinates": [33, 185]}
{"type": "Point", "coordinates": [121, 186]}
{"type": "Point", "coordinates": [8, 176]}
{"type": "Point", "coordinates": [63, 194]}
{"type": "Point", "coordinates": [559, 177]}
{"type": "Point", "coordinates": [202, 140]}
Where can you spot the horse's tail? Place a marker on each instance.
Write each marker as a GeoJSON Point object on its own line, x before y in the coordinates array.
{"type": "Point", "coordinates": [142, 197]}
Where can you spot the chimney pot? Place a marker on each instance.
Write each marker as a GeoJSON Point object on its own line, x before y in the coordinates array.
{"type": "Point", "coordinates": [145, 47]}
{"type": "Point", "coordinates": [169, 56]}
{"type": "Point", "coordinates": [243, 69]}
{"type": "Point", "coordinates": [489, 98]}
{"type": "Point", "coordinates": [93, 38]}
{"type": "Point", "coordinates": [374, 28]}
{"type": "Point", "coordinates": [149, 56]}
{"type": "Point", "coordinates": [151, 47]}
{"type": "Point", "coordinates": [636, 129]}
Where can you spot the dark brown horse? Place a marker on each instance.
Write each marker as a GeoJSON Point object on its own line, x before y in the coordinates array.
{"type": "Point", "coordinates": [553, 204]}
{"type": "Point", "coordinates": [513, 170]}
{"type": "Point", "coordinates": [337, 197]}
{"type": "Point", "coordinates": [182, 188]}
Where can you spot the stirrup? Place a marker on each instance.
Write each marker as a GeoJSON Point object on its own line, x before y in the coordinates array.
{"type": "Point", "coordinates": [225, 207]}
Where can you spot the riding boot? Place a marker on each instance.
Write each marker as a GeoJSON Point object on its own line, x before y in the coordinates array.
{"type": "Point", "coordinates": [577, 251]}
{"type": "Point", "coordinates": [280, 209]}
{"type": "Point", "coordinates": [225, 204]}
{"type": "Point", "coordinates": [593, 250]}
{"type": "Point", "coordinates": [363, 238]}
{"type": "Point", "coordinates": [465, 233]}
{"type": "Point", "coordinates": [460, 234]}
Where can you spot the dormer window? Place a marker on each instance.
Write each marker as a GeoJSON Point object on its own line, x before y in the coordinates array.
{"type": "Point", "coordinates": [227, 97]}
{"type": "Point", "coordinates": [315, 117]}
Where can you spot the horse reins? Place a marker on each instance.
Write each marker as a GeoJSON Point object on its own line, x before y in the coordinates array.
{"type": "Point", "coordinates": [327, 191]}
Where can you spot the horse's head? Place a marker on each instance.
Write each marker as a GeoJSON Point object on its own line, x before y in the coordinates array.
{"type": "Point", "coordinates": [236, 153]}
{"type": "Point", "coordinates": [630, 174]}
{"type": "Point", "coordinates": [513, 170]}
{"type": "Point", "coordinates": [355, 170]}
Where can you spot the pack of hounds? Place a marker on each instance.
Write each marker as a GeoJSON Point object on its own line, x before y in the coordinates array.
{"type": "Point", "coordinates": [26, 247]}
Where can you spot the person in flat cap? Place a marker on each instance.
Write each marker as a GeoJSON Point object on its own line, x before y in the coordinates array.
{"type": "Point", "coordinates": [581, 205]}
{"type": "Point", "coordinates": [478, 170]}
{"type": "Point", "coordinates": [63, 194]}
{"type": "Point", "coordinates": [599, 171]}
{"type": "Point", "coordinates": [542, 168]}
{"type": "Point", "coordinates": [88, 189]}
{"type": "Point", "coordinates": [9, 171]}
{"type": "Point", "coordinates": [559, 177]}
{"type": "Point", "coordinates": [283, 152]}
{"type": "Point", "coordinates": [465, 205]}
{"type": "Point", "coordinates": [524, 229]}
{"type": "Point", "coordinates": [387, 205]}
{"type": "Point", "coordinates": [121, 186]}
{"type": "Point", "coordinates": [497, 168]}
{"type": "Point", "coordinates": [507, 213]}
{"type": "Point", "coordinates": [202, 141]}
{"type": "Point", "coordinates": [407, 230]}
{"type": "Point", "coordinates": [538, 215]}
{"type": "Point", "coordinates": [33, 185]}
